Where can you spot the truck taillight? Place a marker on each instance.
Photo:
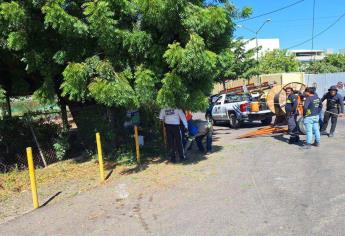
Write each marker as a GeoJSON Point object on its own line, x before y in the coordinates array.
{"type": "Point", "coordinates": [243, 107]}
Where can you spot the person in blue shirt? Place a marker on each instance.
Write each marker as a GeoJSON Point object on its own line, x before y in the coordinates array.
{"type": "Point", "coordinates": [334, 108]}
{"type": "Point", "coordinates": [198, 130]}
{"type": "Point", "coordinates": [312, 107]}
{"type": "Point", "coordinates": [291, 115]}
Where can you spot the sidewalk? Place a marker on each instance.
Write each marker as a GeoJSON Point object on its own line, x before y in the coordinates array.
{"type": "Point", "coordinates": [259, 186]}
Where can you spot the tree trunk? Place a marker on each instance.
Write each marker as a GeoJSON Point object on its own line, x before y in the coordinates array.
{"type": "Point", "coordinates": [224, 85]}
{"type": "Point", "coordinates": [64, 117]}
{"type": "Point", "coordinates": [8, 103]}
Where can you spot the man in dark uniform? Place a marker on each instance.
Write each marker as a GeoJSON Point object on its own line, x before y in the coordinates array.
{"type": "Point", "coordinates": [334, 108]}
{"type": "Point", "coordinates": [172, 119]}
{"type": "Point", "coordinates": [291, 115]}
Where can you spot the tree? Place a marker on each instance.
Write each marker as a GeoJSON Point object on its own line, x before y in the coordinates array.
{"type": "Point", "coordinates": [278, 61]}
{"type": "Point", "coordinates": [330, 64]}
{"type": "Point", "coordinates": [119, 54]}
{"type": "Point", "coordinates": [235, 62]}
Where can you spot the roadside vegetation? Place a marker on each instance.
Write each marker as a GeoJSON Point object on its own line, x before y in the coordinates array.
{"type": "Point", "coordinates": [96, 62]}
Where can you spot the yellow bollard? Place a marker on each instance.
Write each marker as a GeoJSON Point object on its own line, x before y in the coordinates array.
{"type": "Point", "coordinates": [32, 177]}
{"type": "Point", "coordinates": [136, 137]}
{"type": "Point", "coordinates": [164, 135]}
{"type": "Point", "coordinates": [100, 156]}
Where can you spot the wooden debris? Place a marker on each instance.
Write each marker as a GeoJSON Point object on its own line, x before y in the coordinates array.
{"type": "Point", "coordinates": [264, 131]}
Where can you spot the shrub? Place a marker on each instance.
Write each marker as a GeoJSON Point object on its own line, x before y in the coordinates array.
{"type": "Point", "coordinates": [62, 146]}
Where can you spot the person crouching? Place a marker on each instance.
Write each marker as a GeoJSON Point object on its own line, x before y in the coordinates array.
{"type": "Point", "coordinates": [198, 130]}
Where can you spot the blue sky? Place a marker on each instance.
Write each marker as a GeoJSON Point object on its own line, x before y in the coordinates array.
{"type": "Point", "coordinates": [294, 25]}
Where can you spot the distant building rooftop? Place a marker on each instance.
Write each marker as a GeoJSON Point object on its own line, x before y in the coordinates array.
{"type": "Point", "coordinates": [266, 45]}
{"type": "Point", "coordinates": [307, 55]}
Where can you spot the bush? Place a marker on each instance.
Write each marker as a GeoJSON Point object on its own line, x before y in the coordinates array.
{"type": "Point", "coordinates": [62, 146]}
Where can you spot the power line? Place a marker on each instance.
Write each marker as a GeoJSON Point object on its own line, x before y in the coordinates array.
{"type": "Point", "coordinates": [320, 33]}
{"type": "Point", "coordinates": [271, 12]}
{"type": "Point", "coordinates": [304, 19]}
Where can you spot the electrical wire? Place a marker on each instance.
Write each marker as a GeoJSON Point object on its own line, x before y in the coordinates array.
{"type": "Point", "coordinates": [318, 34]}
{"type": "Point", "coordinates": [271, 12]}
{"type": "Point", "coordinates": [304, 19]}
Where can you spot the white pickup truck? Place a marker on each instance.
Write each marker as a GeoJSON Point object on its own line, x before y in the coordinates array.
{"type": "Point", "coordinates": [236, 109]}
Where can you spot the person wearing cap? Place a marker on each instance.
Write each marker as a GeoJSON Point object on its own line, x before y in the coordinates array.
{"type": "Point", "coordinates": [311, 110]}
{"type": "Point", "coordinates": [291, 115]}
{"type": "Point", "coordinates": [334, 108]}
{"type": "Point", "coordinates": [172, 119]}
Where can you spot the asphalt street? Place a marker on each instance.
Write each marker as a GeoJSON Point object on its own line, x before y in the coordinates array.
{"type": "Point", "coordinates": [258, 186]}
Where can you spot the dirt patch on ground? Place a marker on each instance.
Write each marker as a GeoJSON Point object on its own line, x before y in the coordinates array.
{"type": "Point", "coordinates": [55, 183]}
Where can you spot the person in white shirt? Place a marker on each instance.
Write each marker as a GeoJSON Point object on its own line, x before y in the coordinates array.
{"type": "Point", "coordinates": [172, 119]}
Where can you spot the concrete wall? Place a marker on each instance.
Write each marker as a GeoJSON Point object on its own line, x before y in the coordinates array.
{"type": "Point", "coordinates": [321, 81]}
{"type": "Point", "coordinates": [279, 78]}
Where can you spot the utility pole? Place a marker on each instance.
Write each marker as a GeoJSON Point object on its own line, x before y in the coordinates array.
{"type": "Point", "coordinates": [256, 32]}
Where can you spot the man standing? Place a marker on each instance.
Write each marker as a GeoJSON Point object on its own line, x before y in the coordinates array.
{"type": "Point", "coordinates": [312, 107]}
{"type": "Point", "coordinates": [291, 115]}
{"type": "Point", "coordinates": [334, 108]}
{"type": "Point", "coordinates": [172, 119]}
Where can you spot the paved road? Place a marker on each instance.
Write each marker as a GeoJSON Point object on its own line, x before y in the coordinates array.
{"type": "Point", "coordinates": [260, 186]}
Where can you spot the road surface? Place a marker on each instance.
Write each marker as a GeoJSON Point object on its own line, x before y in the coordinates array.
{"type": "Point", "coordinates": [259, 186]}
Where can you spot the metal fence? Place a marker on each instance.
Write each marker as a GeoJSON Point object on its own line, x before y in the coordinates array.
{"type": "Point", "coordinates": [38, 131]}
{"type": "Point", "coordinates": [322, 82]}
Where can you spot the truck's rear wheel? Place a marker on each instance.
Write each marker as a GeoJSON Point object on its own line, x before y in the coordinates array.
{"type": "Point", "coordinates": [233, 121]}
{"type": "Point", "coordinates": [267, 121]}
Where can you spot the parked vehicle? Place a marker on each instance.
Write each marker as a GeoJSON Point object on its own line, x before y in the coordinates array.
{"type": "Point", "coordinates": [238, 108]}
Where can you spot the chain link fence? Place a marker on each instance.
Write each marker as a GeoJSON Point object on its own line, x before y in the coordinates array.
{"type": "Point", "coordinates": [39, 131]}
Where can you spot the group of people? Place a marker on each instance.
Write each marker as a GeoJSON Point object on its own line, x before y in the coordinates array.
{"type": "Point", "coordinates": [312, 114]}
{"type": "Point", "coordinates": [182, 131]}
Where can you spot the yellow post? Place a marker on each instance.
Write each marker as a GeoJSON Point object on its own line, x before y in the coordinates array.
{"type": "Point", "coordinates": [136, 137]}
{"type": "Point", "coordinates": [32, 177]}
{"type": "Point", "coordinates": [100, 156]}
{"type": "Point", "coordinates": [164, 134]}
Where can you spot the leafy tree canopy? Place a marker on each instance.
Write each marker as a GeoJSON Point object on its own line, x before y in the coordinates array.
{"type": "Point", "coordinates": [122, 53]}
{"type": "Point", "coordinates": [330, 64]}
{"type": "Point", "coordinates": [235, 62]}
{"type": "Point", "coordinates": [278, 61]}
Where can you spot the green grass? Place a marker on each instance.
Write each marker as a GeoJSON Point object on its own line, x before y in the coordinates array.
{"type": "Point", "coordinates": [21, 107]}
{"type": "Point", "coordinates": [14, 182]}
{"type": "Point", "coordinates": [24, 105]}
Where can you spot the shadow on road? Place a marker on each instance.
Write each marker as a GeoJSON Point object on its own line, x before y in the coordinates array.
{"type": "Point", "coordinates": [195, 156]}
{"type": "Point", "coordinates": [51, 199]}
{"type": "Point", "coordinates": [245, 125]}
{"type": "Point", "coordinates": [109, 174]}
{"type": "Point", "coordinates": [280, 137]}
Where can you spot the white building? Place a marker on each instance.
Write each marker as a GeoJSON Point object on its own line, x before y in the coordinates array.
{"type": "Point", "coordinates": [265, 45]}
{"type": "Point", "coordinates": [308, 55]}
{"type": "Point", "coordinates": [342, 51]}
